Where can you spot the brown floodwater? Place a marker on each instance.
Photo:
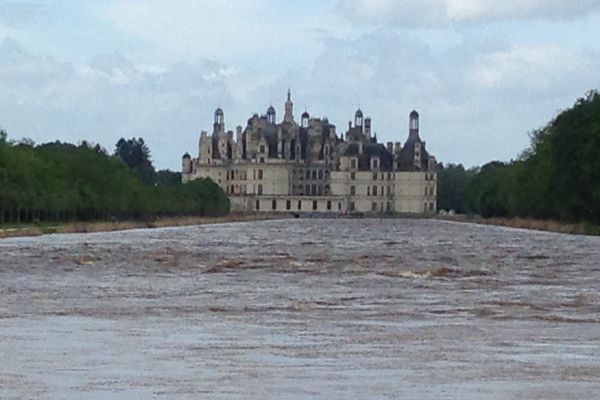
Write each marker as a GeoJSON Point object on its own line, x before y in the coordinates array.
{"type": "Point", "coordinates": [298, 309]}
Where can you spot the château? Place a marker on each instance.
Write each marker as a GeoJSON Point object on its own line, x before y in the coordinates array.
{"type": "Point", "coordinates": [286, 166]}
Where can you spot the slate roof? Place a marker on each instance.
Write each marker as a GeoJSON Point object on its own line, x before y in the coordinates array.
{"type": "Point", "coordinates": [370, 150]}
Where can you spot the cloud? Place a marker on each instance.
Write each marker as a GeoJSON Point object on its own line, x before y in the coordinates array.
{"type": "Point", "coordinates": [251, 31]}
{"type": "Point", "coordinates": [22, 14]}
{"type": "Point", "coordinates": [415, 13]}
{"type": "Point", "coordinates": [477, 100]}
{"type": "Point", "coordinates": [108, 98]}
{"type": "Point", "coordinates": [531, 70]}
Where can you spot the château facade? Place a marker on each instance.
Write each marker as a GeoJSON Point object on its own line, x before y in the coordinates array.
{"type": "Point", "coordinates": [287, 166]}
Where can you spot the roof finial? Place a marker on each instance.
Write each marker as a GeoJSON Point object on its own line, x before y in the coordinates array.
{"type": "Point", "coordinates": [289, 95]}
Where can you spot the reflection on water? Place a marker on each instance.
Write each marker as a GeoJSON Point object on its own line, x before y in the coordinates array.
{"type": "Point", "coordinates": [300, 309]}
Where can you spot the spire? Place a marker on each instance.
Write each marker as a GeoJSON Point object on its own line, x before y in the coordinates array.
{"type": "Point", "coordinates": [289, 109]}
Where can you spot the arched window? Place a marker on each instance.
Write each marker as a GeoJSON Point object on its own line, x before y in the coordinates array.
{"type": "Point", "coordinates": [260, 190]}
{"type": "Point", "coordinates": [274, 204]}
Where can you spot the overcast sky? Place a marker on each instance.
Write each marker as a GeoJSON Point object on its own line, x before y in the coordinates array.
{"type": "Point", "coordinates": [482, 73]}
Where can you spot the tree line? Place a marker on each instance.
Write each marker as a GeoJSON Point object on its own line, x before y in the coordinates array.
{"type": "Point", "coordinates": [557, 177]}
{"type": "Point", "coordinates": [60, 182]}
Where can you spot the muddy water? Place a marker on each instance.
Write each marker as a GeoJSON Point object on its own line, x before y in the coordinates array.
{"type": "Point", "coordinates": [301, 309]}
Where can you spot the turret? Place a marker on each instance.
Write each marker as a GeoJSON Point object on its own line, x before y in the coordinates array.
{"type": "Point", "coordinates": [358, 119]}
{"type": "Point", "coordinates": [271, 115]}
{"type": "Point", "coordinates": [414, 124]}
{"type": "Point", "coordinates": [219, 125]}
{"type": "Point", "coordinates": [305, 118]}
{"type": "Point", "coordinates": [186, 164]}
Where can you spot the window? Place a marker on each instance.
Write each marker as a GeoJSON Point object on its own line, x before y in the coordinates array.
{"type": "Point", "coordinates": [314, 175]}
{"type": "Point", "coordinates": [299, 204]}
{"type": "Point", "coordinates": [374, 206]}
{"type": "Point", "coordinates": [351, 206]}
{"type": "Point", "coordinates": [315, 205]}
{"type": "Point", "coordinates": [389, 190]}
{"type": "Point", "coordinates": [313, 190]}
{"type": "Point", "coordinates": [274, 205]}
{"type": "Point", "coordinates": [353, 163]}
{"type": "Point", "coordinates": [339, 206]}
{"type": "Point", "coordinates": [262, 149]}
{"type": "Point", "coordinates": [260, 190]}
{"type": "Point", "coordinates": [257, 205]}
{"type": "Point", "coordinates": [353, 176]}
{"type": "Point", "coordinates": [260, 174]}
{"type": "Point", "coordinates": [307, 190]}
{"type": "Point", "coordinates": [321, 174]}
{"type": "Point", "coordinates": [368, 190]}
{"type": "Point", "coordinates": [254, 174]}
{"type": "Point", "coordinates": [262, 160]}
{"type": "Point", "coordinates": [232, 189]}
{"type": "Point", "coordinates": [389, 176]}
{"type": "Point", "coordinates": [327, 190]}
{"type": "Point", "coordinates": [375, 163]}
{"type": "Point", "coordinates": [375, 176]}
{"type": "Point", "coordinates": [329, 205]}
{"type": "Point", "coordinates": [288, 205]}
{"type": "Point", "coordinates": [352, 190]}
{"type": "Point", "coordinates": [374, 190]}
{"type": "Point", "coordinates": [388, 207]}
{"type": "Point", "coordinates": [431, 207]}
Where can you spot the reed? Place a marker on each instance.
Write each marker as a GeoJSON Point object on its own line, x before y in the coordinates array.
{"type": "Point", "coordinates": [94, 227]}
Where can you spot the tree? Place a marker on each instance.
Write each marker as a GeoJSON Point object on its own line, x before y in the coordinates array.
{"type": "Point", "coordinates": [453, 182]}
{"type": "Point", "coordinates": [136, 155]}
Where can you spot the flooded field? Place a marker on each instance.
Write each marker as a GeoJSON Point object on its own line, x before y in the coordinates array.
{"type": "Point", "coordinates": [299, 309]}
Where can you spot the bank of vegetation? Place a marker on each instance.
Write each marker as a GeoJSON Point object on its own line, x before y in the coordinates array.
{"type": "Point", "coordinates": [556, 179]}
{"type": "Point", "coordinates": [61, 182]}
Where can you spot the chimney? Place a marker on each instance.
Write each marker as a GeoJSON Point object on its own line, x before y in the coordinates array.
{"type": "Point", "coordinates": [368, 127]}
{"type": "Point", "coordinates": [390, 147]}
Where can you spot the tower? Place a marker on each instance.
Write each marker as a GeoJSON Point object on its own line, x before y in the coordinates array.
{"type": "Point", "coordinates": [289, 109]}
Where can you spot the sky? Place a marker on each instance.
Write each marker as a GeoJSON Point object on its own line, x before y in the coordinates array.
{"type": "Point", "coordinates": [483, 74]}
